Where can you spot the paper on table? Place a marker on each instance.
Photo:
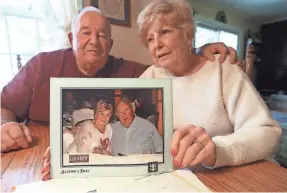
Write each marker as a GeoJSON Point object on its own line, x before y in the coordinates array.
{"type": "Point", "coordinates": [176, 181]}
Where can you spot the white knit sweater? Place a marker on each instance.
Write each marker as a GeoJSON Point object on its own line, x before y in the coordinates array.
{"type": "Point", "coordinates": [221, 99]}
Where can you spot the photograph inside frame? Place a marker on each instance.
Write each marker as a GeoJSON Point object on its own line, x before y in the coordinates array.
{"type": "Point", "coordinates": [112, 126]}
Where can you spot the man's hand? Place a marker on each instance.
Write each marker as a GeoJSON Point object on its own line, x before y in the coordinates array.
{"type": "Point", "coordinates": [14, 136]}
{"type": "Point", "coordinates": [209, 50]}
{"type": "Point", "coordinates": [242, 64]}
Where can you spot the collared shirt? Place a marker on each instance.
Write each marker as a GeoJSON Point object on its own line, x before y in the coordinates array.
{"type": "Point", "coordinates": [140, 138]}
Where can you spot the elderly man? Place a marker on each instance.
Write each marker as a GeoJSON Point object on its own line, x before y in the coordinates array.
{"type": "Point", "coordinates": [27, 96]}
{"type": "Point", "coordinates": [133, 134]}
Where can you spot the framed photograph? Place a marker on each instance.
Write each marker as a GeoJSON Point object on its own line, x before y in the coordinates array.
{"type": "Point", "coordinates": [110, 127]}
{"type": "Point", "coordinates": [117, 11]}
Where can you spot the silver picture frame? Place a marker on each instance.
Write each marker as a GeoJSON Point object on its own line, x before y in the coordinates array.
{"type": "Point", "coordinates": [73, 164]}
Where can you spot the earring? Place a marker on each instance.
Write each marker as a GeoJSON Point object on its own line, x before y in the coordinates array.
{"type": "Point", "coordinates": [191, 49]}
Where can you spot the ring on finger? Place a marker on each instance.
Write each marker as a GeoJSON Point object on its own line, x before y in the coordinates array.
{"type": "Point", "coordinates": [199, 143]}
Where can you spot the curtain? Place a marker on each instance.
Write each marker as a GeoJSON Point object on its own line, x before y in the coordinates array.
{"type": "Point", "coordinates": [58, 16]}
{"type": "Point", "coordinates": [28, 27]}
{"type": "Point", "coordinates": [61, 14]}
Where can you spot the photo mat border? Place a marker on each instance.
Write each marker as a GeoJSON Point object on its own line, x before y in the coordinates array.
{"type": "Point", "coordinates": [56, 87]}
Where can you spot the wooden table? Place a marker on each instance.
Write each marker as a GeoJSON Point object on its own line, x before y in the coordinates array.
{"type": "Point", "coordinates": [24, 166]}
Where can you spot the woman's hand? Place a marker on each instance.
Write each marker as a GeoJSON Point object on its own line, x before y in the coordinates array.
{"type": "Point", "coordinates": [191, 146]}
{"type": "Point", "coordinates": [45, 171]}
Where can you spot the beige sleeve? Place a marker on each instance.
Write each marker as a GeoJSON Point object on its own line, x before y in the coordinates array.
{"type": "Point", "coordinates": [256, 134]}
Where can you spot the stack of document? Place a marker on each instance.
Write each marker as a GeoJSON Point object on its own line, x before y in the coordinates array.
{"type": "Point", "coordinates": [175, 181]}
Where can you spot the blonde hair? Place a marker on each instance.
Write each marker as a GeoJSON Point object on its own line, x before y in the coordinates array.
{"type": "Point", "coordinates": [177, 13]}
{"type": "Point", "coordinates": [102, 105]}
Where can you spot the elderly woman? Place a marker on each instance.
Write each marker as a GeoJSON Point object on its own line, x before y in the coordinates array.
{"type": "Point", "coordinates": [219, 118]}
{"type": "Point", "coordinates": [94, 136]}
{"type": "Point", "coordinates": [78, 117]}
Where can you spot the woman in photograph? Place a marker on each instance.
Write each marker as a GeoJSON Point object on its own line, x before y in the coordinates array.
{"type": "Point", "coordinates": [94, 136]}
{"type": "Point", "coordinates": [78, 117]}
{"type": "Point", "coordinates": [219, 117]}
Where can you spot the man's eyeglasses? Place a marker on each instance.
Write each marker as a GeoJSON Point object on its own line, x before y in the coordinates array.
{"type": "Point", "coordinates": [123, 112]}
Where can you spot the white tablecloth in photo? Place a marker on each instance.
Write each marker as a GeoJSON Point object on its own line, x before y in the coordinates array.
{"type": "Point", "coordinates": [104, 159]}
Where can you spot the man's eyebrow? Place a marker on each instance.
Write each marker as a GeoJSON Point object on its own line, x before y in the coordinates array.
{"type": "Point", "coordinates": [84, 27]}
{"type": "Point", "coordinates": [123, 110]}
{"type": "Point", "coordinates": [149, 35]}
{"type": "Point", "coordinates": [98, 29]}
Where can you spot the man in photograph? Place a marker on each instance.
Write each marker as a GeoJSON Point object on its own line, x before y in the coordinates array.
{"type": "Point", "coordinates": [133, 134]}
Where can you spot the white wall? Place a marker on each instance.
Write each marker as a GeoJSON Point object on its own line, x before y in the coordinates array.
{"type": "Point", "coordinates": [128, 46]}
{"type": "Point", "coordinates": [126, 40]}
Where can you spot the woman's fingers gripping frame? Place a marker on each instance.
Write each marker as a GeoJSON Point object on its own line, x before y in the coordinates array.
{"type": "Point", "coordinates": [181, 141]}
{"type": "Point", "coordinates": [196, 146]}
{"type": "Point", "coordinates": [47, 154]}
{"type": "Point", "coordinates": [46, 170]}
{"type": "Point", "coordinates": [207, 149]}
{"type": "Point", "coordinates": [204, 154]}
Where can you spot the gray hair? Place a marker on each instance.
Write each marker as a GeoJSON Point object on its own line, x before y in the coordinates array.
{"type": "Point", "coordinates": [125, 101]}
{"type": "Point", "coordinates": [80, 14]}
{"type": "Point", "coordinates": [182, 17]}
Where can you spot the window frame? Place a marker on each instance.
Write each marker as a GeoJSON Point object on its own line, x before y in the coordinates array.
{"type": "Point", "coordinates": [213, 24]}
{"type": "Point", "coordinates": [12, 12]}
{"type": "Point", "coordinates": [218, 30]}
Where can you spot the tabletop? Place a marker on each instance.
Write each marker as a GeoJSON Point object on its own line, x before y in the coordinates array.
{"type": "Point", "coordinates": [23, 166]}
